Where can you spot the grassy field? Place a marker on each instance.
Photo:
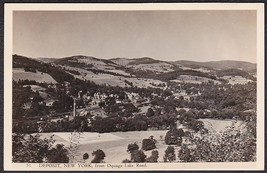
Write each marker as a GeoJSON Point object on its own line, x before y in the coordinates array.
{"type": "Point", "coordinates": [115, 144]}
{"type": "Point", "coordinates": [236, 80]}
{"type": "Point", "coordinates": [19, 73]}
{"type": "Point", "coordinates": [217, 126]}
{"type": "Point", "coordinates": [194, 79]}
{"type": "Point", "coordinates": [159, 67]}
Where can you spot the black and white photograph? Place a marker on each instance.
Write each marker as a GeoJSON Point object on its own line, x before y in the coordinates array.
{"type": "Point", "coordinates": [104, 88]}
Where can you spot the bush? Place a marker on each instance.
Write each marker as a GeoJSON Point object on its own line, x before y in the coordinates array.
{"type": "Point", "coordinates": [99, 156]}
{"type": "Point", "coordinates": [58, 154]}
{"type": "Point", "coordinates": [174, 137]}
{"type": "Point", "coordinates": [138, 156]}
{"type": "Point", "coordinates": [85, 156]}
{"type": "Point", "coordinates": [126, 161]}
{"type": "Point", "coordinates": [181, 132]}
{"type": "Point", "coordinates": [169, 154]}
{"type": "Point", "coordinates": [150, 112]}
{"type": "Point", "coordinates": [79, 123]}
{"type": "Point", "coordinates": [154, 156]}
{"type": "Point", "coordinates": [185, 154]}
{"type": "Point", "coordinates": [132, 147]}
{"type": "Point", "coordinates": [195, 125]}
{"type": "Point", "coordinates": [148, 144]}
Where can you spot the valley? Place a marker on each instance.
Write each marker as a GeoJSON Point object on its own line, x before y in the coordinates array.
{"type": "Point", "coordinates": [92, 104]}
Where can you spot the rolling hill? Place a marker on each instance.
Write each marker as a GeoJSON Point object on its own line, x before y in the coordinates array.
{"type": "Point", "coordinates": [140, 72]}
{"type": "Point", "coordinates": [220, 65]}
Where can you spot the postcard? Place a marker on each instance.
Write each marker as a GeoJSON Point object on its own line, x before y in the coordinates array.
{"type": "Point", "coordinates": [116, 87]}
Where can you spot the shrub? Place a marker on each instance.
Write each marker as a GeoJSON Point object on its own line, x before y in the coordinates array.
{"type": "Point", "coordinates": [150, 112]}
{"type": "Point", "coordinates": [58, 155]}
{"type": "Point", "coordinates": [174, 137]}
{"type": "Point", "coordinates": [154, 156]}
{"type": "Point", "coordinates": [148, 144]}
{"type": "Point", "coordinates": [180, 132]}
{"type": "Point", "coordinates": [169, 154]}
{"type": "Point", "coordinates": [85, 156]}
{"type": "Point", "coordinates": [132, 147]}
{"type": "Point", "coordinates": [126, 161]}
{"type": "Point", "coordinates": [138, 156]}
{"type": "Point", "coordinates": [195, 125]}
{"type": "Point", "coordinates": [185, 154]}
{"type": "Point", "coordinates": [79, 123]}
{"type": "Point", "coordinates": [99, 156]}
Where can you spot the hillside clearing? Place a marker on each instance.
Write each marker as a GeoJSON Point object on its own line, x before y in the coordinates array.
{"type": "Point", "coordinates": [159, 67]}
{"type": "Point", "coordinates": [217, 126]}
{"type": "Point", "coordinates": [20, 74]}
{"type": "Point", "coordinates": [236, 80]}
{"type": "Point", "coordinates": [194, 79]}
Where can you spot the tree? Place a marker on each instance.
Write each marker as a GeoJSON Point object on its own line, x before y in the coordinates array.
{"type": "Point", "coordinates": [63, 104]}
{"type": "Point", "coordinates": [85, 156]}
{"type": "Point", "coordinates": [174, 137]}
{"type": "Point", "coordinates": [169, 154]}
{"type": "Point", "coordinates": [196, 125]}
{"type": "Point", "coordinates": [181, 111]}
{"type": "Point", "coordinates": [185, 154]}
{"type": "Point", "coordinates": [79, 123]}
{"type": "Point", "coordinates": [181, 132]}
{"type": "Point", "coordinates": [58, 155]}
{"type": "Point", "coordinates": [99, 156]}
{"type": "Point", "coordinates": [140, 124]}
{"type": "Point", "coordinates": [148, 144]}
{"type": "Point", "coordinates": [150, 112]}
{"type": "Point", "coordinates": [132, 147]}
{"type": "Point", "coordinates": [230, 146]}
{"type": "Point", "coordinates": [33, 149]}
{"type": "Point", "coordinates": [138, 156]}
{"type": "Point", "coordinates": [154, 157]}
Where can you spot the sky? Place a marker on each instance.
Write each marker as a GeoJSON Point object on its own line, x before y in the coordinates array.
{"type": "Point", "coordinates": [165, 35]}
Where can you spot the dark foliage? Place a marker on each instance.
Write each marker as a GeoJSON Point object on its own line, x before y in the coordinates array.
{"type": "Point", "coordinates": [148, 144]}
{"type": "Point", "coordinates": [138, 156]}
{"type": "Point", "coordinates": [169, 155]}
{"type": "Point", "coordinates": [132, 147]}
{"type": "Point", "coordinates": [185, 154]}
{"type": "Point", "coordinates": [33, 149]}
{"type": "Point", "coordinates": [58, 154]}
{"type": "Point", "coordinates": [99, 156]}
{"type": "Point", "coordinates": [154, 157]}
{"type": "Point", "coordinates": [85, 156]}
{"type": "Point", "coordinates": [174, 137]}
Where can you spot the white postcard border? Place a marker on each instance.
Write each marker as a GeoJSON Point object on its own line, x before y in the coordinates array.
{"type": "Point", "coordinates": [8, 42]}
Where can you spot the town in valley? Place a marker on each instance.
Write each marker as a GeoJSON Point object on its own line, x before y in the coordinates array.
{"type": "Point", "coordinates": [83, 109]}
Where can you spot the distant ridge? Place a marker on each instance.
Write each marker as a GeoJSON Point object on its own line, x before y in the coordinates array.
{"type": "Point", "coordinates": [216, 65]}
{"type": "Point", "coordinates": [220, 65]}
